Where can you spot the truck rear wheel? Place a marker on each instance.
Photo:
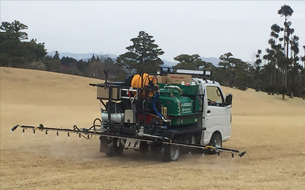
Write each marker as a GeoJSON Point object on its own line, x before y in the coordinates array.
{"type": "Point", "coordinates": [171, 153]}
{"type": "Point", "coordinates": [115, 148]}
{"type": "Point", "coordinates": [144, 147]}
{"type": "Point", "coordinates": [216, 141]}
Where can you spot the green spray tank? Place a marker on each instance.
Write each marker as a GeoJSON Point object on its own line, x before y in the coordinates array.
{"type": "Point", "coordinates": [181, 102]}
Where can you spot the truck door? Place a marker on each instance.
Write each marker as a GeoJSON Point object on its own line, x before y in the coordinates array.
{"type": "Point", "coordinates": [217, 115]}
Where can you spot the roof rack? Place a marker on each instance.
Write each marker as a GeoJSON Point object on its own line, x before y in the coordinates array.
{"type": "Point", "coordinates": [201, 73]}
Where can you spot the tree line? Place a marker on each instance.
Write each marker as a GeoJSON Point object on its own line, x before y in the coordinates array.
{"type": "Point", "coordinates": [280, 69]}
{"type": "Point", "coordinates": [283, 70]}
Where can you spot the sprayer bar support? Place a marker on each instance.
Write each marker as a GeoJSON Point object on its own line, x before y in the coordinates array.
{"type": "Point", "coordinates": [160, 139]}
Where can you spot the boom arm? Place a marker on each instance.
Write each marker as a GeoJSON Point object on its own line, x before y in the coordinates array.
{"type": "Point", "coordinates": [87, 133]}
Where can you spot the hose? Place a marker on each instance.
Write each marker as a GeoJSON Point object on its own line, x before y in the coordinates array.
{"type": "Point", "coordinates": [154, 105]}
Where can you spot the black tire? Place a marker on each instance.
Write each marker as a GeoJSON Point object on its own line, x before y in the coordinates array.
{"type": "Point", "coordinates": [115, 149]}
{"type": "Point", "coordinates": [215, 141]}
{"type": "Point", "coordinates": [144, 147]}
{"type": "Point", "coordinates": [171, 153]}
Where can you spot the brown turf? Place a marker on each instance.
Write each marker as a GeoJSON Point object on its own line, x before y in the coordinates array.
{"type": "Point", "coordinates": [271, 130]}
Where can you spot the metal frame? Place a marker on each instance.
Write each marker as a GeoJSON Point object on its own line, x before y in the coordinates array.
{"type": "Point", "coordinates": [201, 73]}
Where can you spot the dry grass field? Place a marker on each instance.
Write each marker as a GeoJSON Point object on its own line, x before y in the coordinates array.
{"type": "Point", "coordinates": [271, 130]}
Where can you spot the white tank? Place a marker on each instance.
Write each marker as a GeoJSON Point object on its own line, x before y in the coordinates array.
{"type": "Point", "coordinates": [115, 117]}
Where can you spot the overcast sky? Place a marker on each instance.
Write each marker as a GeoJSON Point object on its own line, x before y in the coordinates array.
{"type": "Point", "coordinates": [207, 28]}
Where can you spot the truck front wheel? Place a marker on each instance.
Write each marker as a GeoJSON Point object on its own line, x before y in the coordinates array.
{"type": "Point", "coordinates": [171, 153]}
{"type": "Point", "coordinates": [216, 141]}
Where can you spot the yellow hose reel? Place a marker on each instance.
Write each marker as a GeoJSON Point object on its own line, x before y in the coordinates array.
{"type": "Point", "coordinates": [139, 81]}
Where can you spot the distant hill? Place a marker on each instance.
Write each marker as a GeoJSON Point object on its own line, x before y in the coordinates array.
{"type": "Point", "coordinates": [212, 60]}
{"type": "Point", "coordinates": [168, 63]}
{"type": "Point", "coordinates": [87, 56]}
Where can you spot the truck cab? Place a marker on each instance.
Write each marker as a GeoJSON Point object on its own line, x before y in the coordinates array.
{"type": "Point", "coordinates": [216, 111]}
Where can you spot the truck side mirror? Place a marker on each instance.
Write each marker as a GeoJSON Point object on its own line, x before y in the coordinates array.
{"type": "Point", "coordinates": [229, 99]}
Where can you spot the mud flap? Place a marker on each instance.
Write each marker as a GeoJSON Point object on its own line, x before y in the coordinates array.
{"type": "Point", "coordinates": [104, 148]}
